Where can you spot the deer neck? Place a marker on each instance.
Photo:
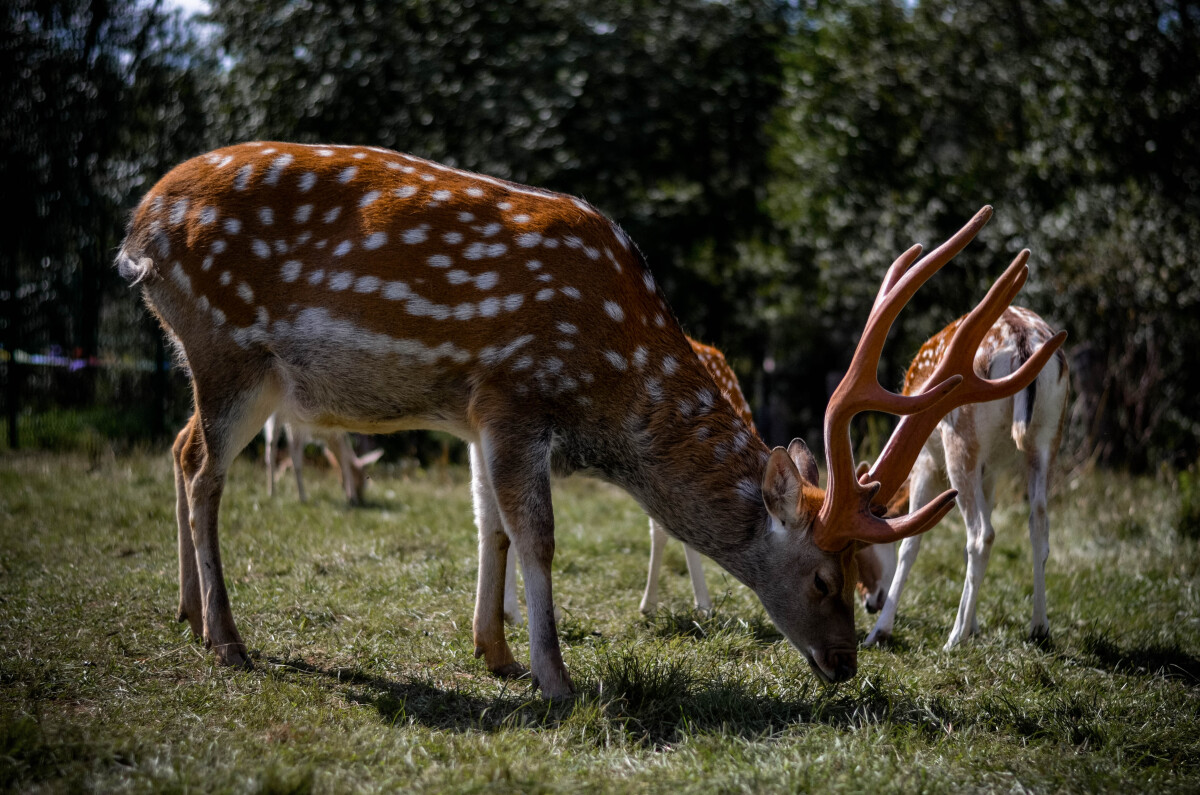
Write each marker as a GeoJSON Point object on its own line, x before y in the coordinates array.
{"type": "Point", "coordinates": [698, 472]}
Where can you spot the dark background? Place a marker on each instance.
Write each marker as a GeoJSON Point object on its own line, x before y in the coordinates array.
{"type": "Point", "coordinates": [770, 159]}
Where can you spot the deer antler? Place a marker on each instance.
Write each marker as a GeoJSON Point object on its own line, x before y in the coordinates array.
{"type": "Point", "coordinates": [846, 515]}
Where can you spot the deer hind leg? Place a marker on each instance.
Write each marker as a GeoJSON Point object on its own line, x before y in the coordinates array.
{"type": "Point", "coordinates": [1039, 540]}
{"type": "Point", "coordinates": [658, 540]}
{"type": "Point", "coordinates": [227, 417]}
{"type": "Point", "coordinates": [189, 578]}
{"type": "Point", "coordinates": [494, 582]}
{"type": "Point", "coordinates": [975, 505]}
{"type": "Point", "coordinates": [923, 487]}
{"type": "Point", "coordinates": [518, 467]}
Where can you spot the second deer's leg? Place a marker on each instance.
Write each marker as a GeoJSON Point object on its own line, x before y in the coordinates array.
{"type": "Point", "coordinates": [973, 503]}
{"type": "Point", "coordinates": [518, 466]}
{"type": "Point", "coordinates": [695, 566]}
{"type": "Point", "coordinates": [269, 436]}
{"type": "Point", "coordinates": [923, 487]}
{"type": "Point", "coordinates": [297, 440]}
{"type": "Point", "coordinates": [658, 540]}
{"type": "Point", "coordinates": [492, 583]}
{"type": "Point", "coordinates": [1039, 540]}
{"type": "Point", "coordinates": [512, 606]}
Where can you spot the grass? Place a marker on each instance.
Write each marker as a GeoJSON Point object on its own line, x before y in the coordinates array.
{"type": "Point", "coordinates": [359, 622]}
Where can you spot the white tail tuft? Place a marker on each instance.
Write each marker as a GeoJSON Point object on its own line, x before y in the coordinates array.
{"type": "Point", "coordinates": [131, 270]}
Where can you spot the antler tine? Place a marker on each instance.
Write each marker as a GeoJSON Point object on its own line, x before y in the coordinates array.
{"type": "Point", "coordinates": [902, 449]}
{"type": "Point", "coordinates": [847, 501]}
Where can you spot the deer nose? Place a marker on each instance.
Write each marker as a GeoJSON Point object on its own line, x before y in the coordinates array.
{"type": "Point", "coordinates": [842, 665]}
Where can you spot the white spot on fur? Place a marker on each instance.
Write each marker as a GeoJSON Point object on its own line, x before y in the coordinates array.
{"type": "Point", "coordinates": [341, 280]}
{"type": "Point", "coordinates": [245, 293]}
{"type": "Point", "coordinates": [669, 365]}
{"type": "Point", "coordinates": [439, 261]}
{"type": "Point", "coordinates": [316, 276]}
{"type": "Point", "coordinates": [405, 191]}
{"type": "Point", "coordinates": [208, 215]}
{"type": "Point", "coordinates": [290, 271]}
{"type": "Point", "coordinates": [418, 234]}
{"type": "Point", "coordinates": [366, 284]}
{"type": "Point", "coordinates": [528, 239]}
{"type": "Point", "coordinates": [232, 226]}
{"type": "Point", "coordinates": [571, 292]}
{"type": "Point", "coordinates": [453, 238]}
{"type": "Point", "coordinates": [266, 216]}
{"type": "Point", "coordinates": [614, 310]}
{"type": "Point", "coordinates": [260, 249]}
{"type": "Point", "coordinates": [567, 328]}
{"type": "Point", "coordinates": [616, 360]}
{"type": "Point", "coordinates": [331, 215]}
{"type": "Point", "coordinates": [276, 169]}
{"type": "Point", "coordinates": [343, 248]}
{"type": "Point", "coordinates": [396, 291]}
{"type": "Point", "coordinates": [178, 212]}
{"type": "Point", "coordinates": [347, 174]}
{"type": "Point", "coordinates": [242, 179]}
{"type": "Point", "coordinates": [307, 180]}
{"type": "Point", "coordinates": [302, 214]}
{"type": "Point", "coordinates": [375, 240]}
{"type": "Point", "coordinates": [544, 295]}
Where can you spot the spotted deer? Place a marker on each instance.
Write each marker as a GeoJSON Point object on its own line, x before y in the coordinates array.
{"type": "Point", "coordinates": [351, 466]}
{"type": "Point", "coordinates": [969, 447]}
{"type": "Point", "coordinates": [363, 289]}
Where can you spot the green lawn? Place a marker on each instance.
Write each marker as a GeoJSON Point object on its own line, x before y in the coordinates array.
{"type": "Point", "coordinates": [360, 625]}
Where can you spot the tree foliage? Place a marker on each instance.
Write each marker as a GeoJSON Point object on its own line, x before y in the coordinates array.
{"type": "Point", "coordinates": [769, 157]}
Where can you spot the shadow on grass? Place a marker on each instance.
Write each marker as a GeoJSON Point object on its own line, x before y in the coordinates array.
{"type": "Point", "coordinates": [1153, 659]}
{"type": "Point", "coordinates": [651, 700]}
{"type": "Point", "coordinates": [693, 624]}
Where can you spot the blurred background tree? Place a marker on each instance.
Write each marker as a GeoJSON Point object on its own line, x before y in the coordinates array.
{"type": "Point", "coordinates": [770, 158]}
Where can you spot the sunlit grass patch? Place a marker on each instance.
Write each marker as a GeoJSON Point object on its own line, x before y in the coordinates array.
{"type": "Point", "coordinates": [359, 623]}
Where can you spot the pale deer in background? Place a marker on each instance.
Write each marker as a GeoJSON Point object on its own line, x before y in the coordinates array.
{"type": "Point", "coordinates": [363, 289]}
{"type": "Point", "coordinates": [351, 467]}
{"type": "Point", "coordinates": [970, 446]}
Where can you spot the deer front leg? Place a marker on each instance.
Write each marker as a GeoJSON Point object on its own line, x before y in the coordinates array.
{"type": "Point", "coordinates": [973, 503]}
{"type": "Point", "coordinates": [923, 488]}
{"type": "Point", "coordinates": [493, 584]}
{"type": "Point", "coordinates": [189, 579]}
{"type": "Point", "coordinates": [518, 467]}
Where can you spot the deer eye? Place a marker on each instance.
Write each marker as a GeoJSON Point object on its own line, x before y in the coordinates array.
{"type": "Point", "coordinates": [822, 586]}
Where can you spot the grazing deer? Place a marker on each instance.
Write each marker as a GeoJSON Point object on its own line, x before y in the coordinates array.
{"type": "Point", "coordinates": [363, 289]}
{"type": "Point", "coordinates": [969, 447]}
{"type": "Point", "coordinates": [351, 466]}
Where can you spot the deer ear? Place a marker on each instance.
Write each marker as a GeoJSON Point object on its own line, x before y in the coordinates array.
{"type": "Point", "coordinates": [802, 457]}
{"type": "Point", "coordinates": [370, 458]}
{"type": "Point", "coordinates": [781, 487]}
